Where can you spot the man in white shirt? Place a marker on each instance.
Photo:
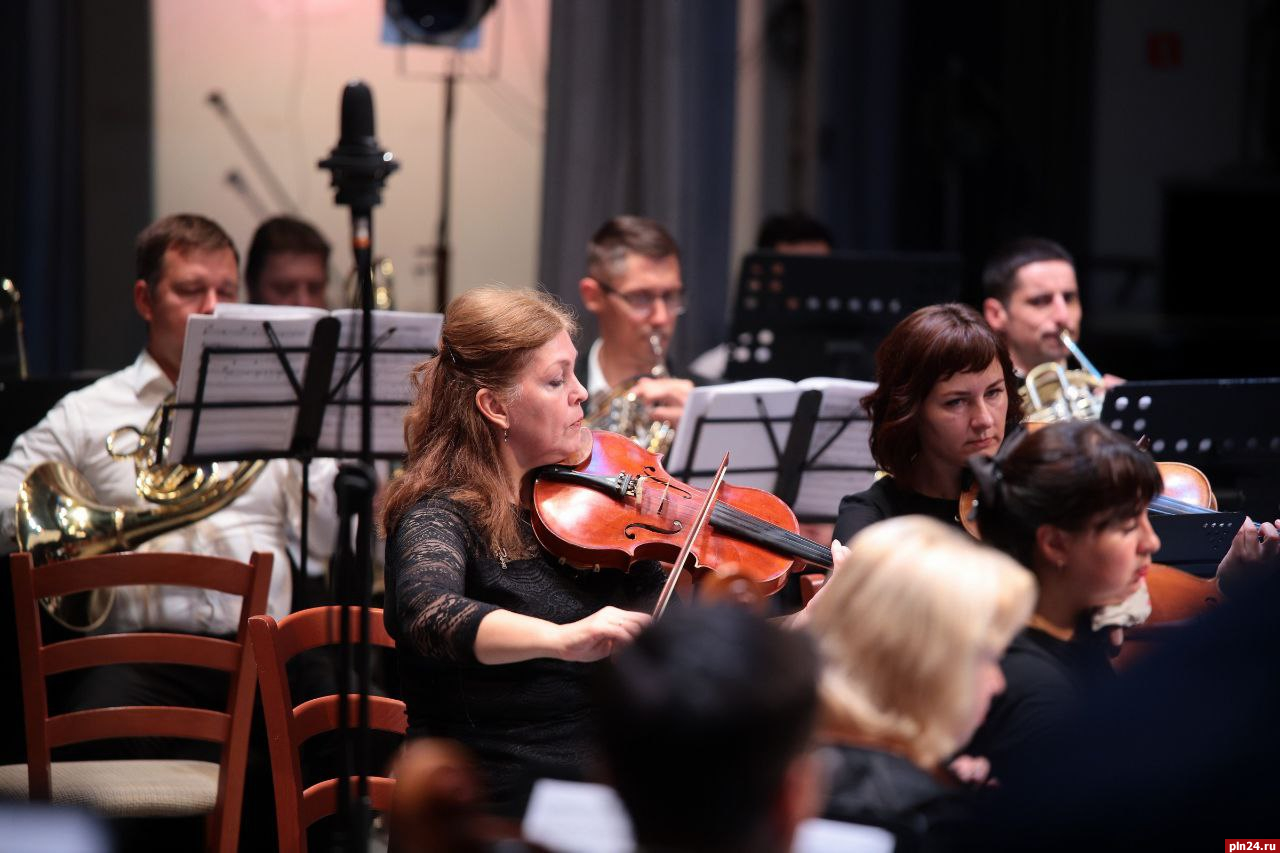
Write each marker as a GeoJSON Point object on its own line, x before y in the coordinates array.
{"type": "Point", "coordinates": [186, 264]}
{"type": "Point", "coordinates": [633, 286]}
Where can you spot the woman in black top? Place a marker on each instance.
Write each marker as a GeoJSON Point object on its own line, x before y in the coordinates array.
{"type": "Point", "coordinates": [946, 391]}
{"type": "Point", "coordinates": [911, 629]}
{"type": "Point", "coordinates": [1069, 502]}
{"type": "Point", "coordinates": [496, 640]}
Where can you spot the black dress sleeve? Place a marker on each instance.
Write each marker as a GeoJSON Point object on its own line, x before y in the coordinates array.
{"type": "Point", "coordinates": [428, 556]}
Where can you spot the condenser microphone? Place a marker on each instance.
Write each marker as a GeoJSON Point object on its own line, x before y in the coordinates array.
{"type": "Point", "coordinates": [358, 166]}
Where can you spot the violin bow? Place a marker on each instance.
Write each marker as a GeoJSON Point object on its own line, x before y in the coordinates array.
{"type": "Point", "coordinates": [703, 514]}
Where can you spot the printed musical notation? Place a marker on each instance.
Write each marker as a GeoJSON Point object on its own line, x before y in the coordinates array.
{"type": "Point", "coordinates": [247, 347]}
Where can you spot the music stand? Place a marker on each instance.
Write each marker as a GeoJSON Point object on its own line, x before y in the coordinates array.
{"type": "Point", "coordinates": [1229, 428]}
{"type": "Point", "coordinates": [1195, 543]}
{"type": "Point", "coordinates": [257, 388]}
{"type": "Point", "coordinates": [804, 315]}
{"type": "Point", "coordinates": [805, 442]}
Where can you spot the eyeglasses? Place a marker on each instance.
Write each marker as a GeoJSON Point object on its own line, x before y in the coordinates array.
{"type": "Point", "coordinates": [642, 301]}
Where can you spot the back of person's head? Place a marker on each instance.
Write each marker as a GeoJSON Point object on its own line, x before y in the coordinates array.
{"type": "Point", "coordinates": [704, 722]}
{"type": "Point", "coordinates": [1069, 475]}
{"type": "Point", "coordinates": [281, 234]}
{"type": "Point", "coordinates": [929, 345]}
{"type": "Point", "coordinates": [488, 337]}
{"type": "Point", "coordinates": [902, 627]}
{"type": "Point", "coordinates": [1000, 273]}
{"type": "Point", "coordinates": [623, 235]}
{"type": "Point", "coordinates": [182, 232]}
{"type": "Point", "coordinates": [787, 228]}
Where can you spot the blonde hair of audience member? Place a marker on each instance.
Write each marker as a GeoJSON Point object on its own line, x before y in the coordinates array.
{"type": "Point", "coordinates": [488, 337]}
{"type": "Point", "coordinates": [911, 628]}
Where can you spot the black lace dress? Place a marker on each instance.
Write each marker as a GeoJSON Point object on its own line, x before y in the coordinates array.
{"type": "Point", "coordinates": [522, 720]}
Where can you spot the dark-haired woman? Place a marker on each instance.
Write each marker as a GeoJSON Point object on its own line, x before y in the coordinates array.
{"type": "Point", "coordinates": [946, 390]}
{"type": "Point", "coordinates": [496, 639]}
{"type": "Point", "coordinates": [1069, 502]}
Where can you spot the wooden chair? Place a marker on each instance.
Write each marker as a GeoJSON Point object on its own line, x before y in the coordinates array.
{"type": "Point", "coordinates": [288, 727]}
{"type": "Point", "coordinates": [138, 788]}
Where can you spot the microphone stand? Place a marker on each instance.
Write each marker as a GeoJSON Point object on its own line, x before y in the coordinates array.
{"type": "Point", "coordinates": [359, 169]}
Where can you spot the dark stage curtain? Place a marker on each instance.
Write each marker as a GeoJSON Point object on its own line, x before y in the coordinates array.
{"type": "Point", "coordinates": [640, 115]}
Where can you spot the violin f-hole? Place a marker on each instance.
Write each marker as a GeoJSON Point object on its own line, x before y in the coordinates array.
{"type": "Point", "coordinates": [652, 528]}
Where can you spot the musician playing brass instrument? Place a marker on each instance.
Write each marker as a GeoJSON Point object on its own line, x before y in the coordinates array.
{"type": "Point", "coordinates": [633, 286]}
{"type": "Point", "coordinates": [186, 264]}
{"type": "Point", "coordinates": [1031, 297]}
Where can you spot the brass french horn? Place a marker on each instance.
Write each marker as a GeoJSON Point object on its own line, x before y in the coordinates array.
{"type": "Point", "coordinates": [1051, 393]}
{"type": "Point", "coordinates": [619, 410]}
{"type": "Point", "coordinates": [58, 517]}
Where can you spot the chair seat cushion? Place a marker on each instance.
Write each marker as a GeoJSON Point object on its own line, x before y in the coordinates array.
{"type": "Point", "coordinates": [134, 788]}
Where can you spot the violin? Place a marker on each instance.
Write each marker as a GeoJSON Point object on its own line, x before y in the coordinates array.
{"type": "Point", "coordinates": [1175, 595]}
{"type": "Point", "coordinates": [618, 506]}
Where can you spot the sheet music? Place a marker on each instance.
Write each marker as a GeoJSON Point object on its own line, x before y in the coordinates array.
{"type": "Point", "coordinates": [261, 378]}
{"type": "Point", "coordinates": [241, 377]}
{"type": "Point", "coordinates": [821, 491]}
{"type": "Point", "coordinates": [340, 431]}
{"type": "Point", "coordinates": [747, 443]}
{"type": "Point", "coordinates": [749, 446]}
{"type": "Point", "coordinates": [584, 817]}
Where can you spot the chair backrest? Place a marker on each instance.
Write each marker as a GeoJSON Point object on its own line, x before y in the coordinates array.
{"type": "Point", "coordinates": [288, 727]}
{"type": "Point", "coordinates": [229, 728]}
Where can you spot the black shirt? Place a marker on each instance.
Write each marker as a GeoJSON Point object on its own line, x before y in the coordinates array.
{"type": "Point", "coordinates": [887, 499]}
{"type": "Point", "coordinates": [1045, 677]}
{"type": "Point", "coordinates": [521, 720]}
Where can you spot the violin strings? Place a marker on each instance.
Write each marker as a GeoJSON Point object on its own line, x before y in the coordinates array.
{"type": "Point", "coordinates": [790, 542]}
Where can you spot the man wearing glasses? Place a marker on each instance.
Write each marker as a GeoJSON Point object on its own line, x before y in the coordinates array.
{"type": "Point", "coordinates": [633, 287]}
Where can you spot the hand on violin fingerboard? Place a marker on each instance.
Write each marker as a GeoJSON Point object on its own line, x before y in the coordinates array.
{"type": "Point", "coordinates": [1253, 556]}
{"type": "Point", "coordinates": [801, 617]}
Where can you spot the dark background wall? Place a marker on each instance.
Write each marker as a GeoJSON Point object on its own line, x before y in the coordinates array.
{"type": "Point", "coordinates": [75, 175]}
{"type": "Point", "coordinates": [1143, 134]}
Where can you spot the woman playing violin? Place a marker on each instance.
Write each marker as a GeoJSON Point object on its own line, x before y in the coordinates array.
{"type": "Point", "coordinates": [946, 391]}
{"type": "Point", "coordinates": [1069, 502]}
{"type": "Point", "coordinates": [495, 637]}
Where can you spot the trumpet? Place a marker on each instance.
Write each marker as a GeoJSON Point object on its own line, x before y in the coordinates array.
{"type": "Point", "coordinates": [1052, 393]}
{"type": "Point", "coordinates": [620, 410]}
{"type": "Point", "coordinates": [58, 516]}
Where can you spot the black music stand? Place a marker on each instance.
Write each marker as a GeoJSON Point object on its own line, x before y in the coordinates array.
{"type": "Point", "coordinates": [807, 442]}
{"type": "Point", "coordinates": [320, 394]}
{"type": "Point", "coordinates": [824, 315]}
{"type": "Point", "coordinates": [1195, 543]}
{"type": "Point", "coordinates": [1229, 428]}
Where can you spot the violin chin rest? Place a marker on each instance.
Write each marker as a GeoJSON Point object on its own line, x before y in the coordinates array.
{"type": "Point", "coordinates": [583, 453]}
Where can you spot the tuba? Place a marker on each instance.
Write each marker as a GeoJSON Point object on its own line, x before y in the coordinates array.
{"type": "Point", "coordinates": [58, 516]}
{"type": "Point", "coordinates": [618, 410]}
{"type": "Point", "coordinates": [1052, 393]}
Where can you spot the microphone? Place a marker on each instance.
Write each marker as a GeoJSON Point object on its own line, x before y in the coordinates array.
{"type": "Point", "coordinates": [358, 166]}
